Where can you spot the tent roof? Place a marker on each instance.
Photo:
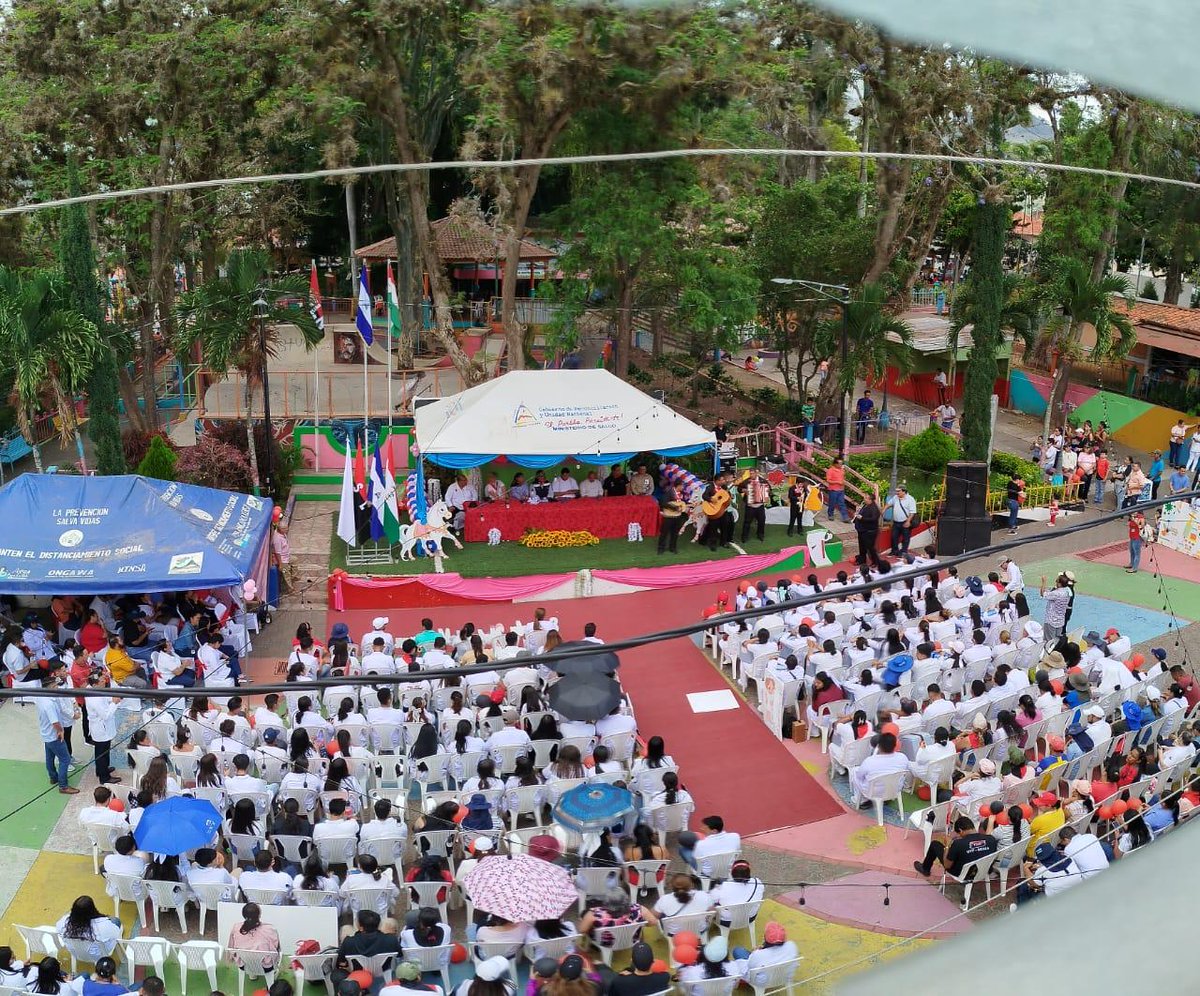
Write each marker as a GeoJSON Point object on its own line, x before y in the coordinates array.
{"type": "Point", "coordinates": [459, 241]}
{"type": "Point", "coordinates": [539, 417]}
{"type": "Point", "coordinates": [111, 535]}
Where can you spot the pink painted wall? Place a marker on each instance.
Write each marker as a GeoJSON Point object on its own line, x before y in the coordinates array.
{"type": "Point", "coordinates": [319, 443]}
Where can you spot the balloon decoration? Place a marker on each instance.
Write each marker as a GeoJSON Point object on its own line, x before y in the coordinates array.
{"type": "Point", "coordinates": [689, 486]}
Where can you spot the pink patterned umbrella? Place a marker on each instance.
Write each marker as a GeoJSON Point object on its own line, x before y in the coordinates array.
{"type": "Point", "coordinates": [520, 888]}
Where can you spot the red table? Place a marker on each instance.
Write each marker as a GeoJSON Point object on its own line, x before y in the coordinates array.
{"type": "Point", "coordinates": [606, 518]}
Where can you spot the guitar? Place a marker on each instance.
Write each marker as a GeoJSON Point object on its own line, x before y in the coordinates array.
{"type": "Point", "coordinates": [717, 505]}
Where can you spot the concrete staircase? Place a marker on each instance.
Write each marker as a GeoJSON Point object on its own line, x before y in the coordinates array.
{"type": "Point", "coordinates": [313, 486]}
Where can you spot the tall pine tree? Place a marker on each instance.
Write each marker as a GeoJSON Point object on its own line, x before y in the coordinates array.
{"type": "Point", "coordinates": [78, 262]}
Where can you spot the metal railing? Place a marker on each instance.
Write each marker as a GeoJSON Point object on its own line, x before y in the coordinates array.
{"type": "Point", "coordinates": [1036, 496]}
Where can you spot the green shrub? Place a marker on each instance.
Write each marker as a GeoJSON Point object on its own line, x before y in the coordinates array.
{"type": "Point", "coordinates": [212, 463]}
{"type": "Point", "coordinates": [1008, 465]}
{"type": "Point", "coordinates": [159, 461]}
{"type": "Point", "coordinates": [929, 450]}
{"type": "Point", "coordinates": [767, 400]}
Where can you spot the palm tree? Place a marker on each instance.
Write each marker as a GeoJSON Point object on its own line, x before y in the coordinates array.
{"type": "Point", "coordinates": [221, 316]}
{"type": "Point", "coordinates": [48, 347]}
{"type": "Point", "coordinates": [875, 340]}
{"type": "Point", "coordinates": [1021, 313]}
{"type": "Point", "coordinates": [1086, 304]}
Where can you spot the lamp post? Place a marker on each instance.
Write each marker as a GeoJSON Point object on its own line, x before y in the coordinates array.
{"type": "Point", "coordinates": [260, 311]}
{"type": "Point", "coordinates": [842, 300]}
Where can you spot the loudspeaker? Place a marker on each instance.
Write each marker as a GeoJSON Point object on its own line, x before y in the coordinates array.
{"type": "Point", "coordinates": [966, 489]}
{"type": "Point", "coordinates": [961, 534]}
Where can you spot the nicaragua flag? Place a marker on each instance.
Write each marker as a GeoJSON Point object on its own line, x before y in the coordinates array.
{"type": "Point", "coordinates": [362, 318]}
{"type": "Point", "coordinates": [377, 496]}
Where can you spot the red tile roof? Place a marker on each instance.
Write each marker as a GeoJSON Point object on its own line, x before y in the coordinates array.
{"type": "Point", "coordinates": [1027, 226]}
{"type": "Point", "coordinates": [1164, 316]}
{"type": "Point", "coordinates": [459, 241]}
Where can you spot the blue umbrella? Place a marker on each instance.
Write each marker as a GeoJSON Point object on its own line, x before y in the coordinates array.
{"type": "Point", "coordinates": [176, 825]}
{"type": "Point", "coordinates": [593, 807]}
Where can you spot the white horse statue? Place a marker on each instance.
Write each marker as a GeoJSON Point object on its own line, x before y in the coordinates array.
{"type": "Point", "coordinates": [431, 534]}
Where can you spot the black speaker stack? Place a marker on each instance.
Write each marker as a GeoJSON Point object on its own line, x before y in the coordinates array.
{"type": "Point", "coordinates": [964, 524]}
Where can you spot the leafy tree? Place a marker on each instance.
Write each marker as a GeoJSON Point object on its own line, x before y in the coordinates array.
{"type": "Point", "coordinates": [1149, 291]}
{"type": "Point", "coordinates": [47, 346]}
{"type": "Point", "coordinates": [221, 316]}
{"type": "Point", "coordinates": [214, 464]}
{"type": "Point", "coordinates": [159, 461]}
{"type": "Point", "coordinates": [929, 450]}
{"type": "Point", "coordinates": [1089, 307]}
{"type": "Point", "coordinates": [78, 263]}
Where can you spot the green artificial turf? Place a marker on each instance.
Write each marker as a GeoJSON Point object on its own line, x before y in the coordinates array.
{"type": "Point", "coordinates": [514, 560]}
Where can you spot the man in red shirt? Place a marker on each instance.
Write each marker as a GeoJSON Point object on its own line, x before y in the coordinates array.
{"type": "Point", "coordinates": [1101, 476]}
{"type": "Point", "coordinates": [835, 489]}
{"type": "Point", "coordinates": [1183, 679]}
{"type": "Point", "coordinates": [1136, 522]}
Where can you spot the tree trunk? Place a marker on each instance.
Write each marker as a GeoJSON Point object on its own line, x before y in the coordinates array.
{"type": "Point", "coordinates": [1174, 282]}
{"type": "Point", "coordinates": [624, 346]}
{"type": "Point", "coordinates": [656, 333]}
{"type": "Point", "coordinates": [524, 183]}
{"type": "Point", "coordinates": [251, 446]}
{"type": "Point", "coordinates": [924, 239]}
{"type": "Point", "coordinates": [147, 386]}
{"type": "Point", "coordinates": [1062, 379]}
{"type": "Point", "coordinates": [992, 221]}
{"type": "Point", "coordinates": [129, 398]}
{"type": "Point", "coordinates": [1124, 133]}
{"type": "Point", "coordinates": [893, 188]}
{"type": "Point", "coordinates": [208, 256]}
{"type": "Point", "coordinates": [408, 288]}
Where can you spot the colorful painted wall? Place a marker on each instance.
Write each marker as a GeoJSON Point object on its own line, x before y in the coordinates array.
{"type": "Point", "coordinates": [324, 446]}
{"type": "Point", "coordinates": [1132, 422]}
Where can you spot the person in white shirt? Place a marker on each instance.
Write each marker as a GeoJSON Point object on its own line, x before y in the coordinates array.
{"type": "Point", "coordinates": [102, 606]}
{"type": "Point", "coordinates": [378, 631]}
{"type": "Point", "coordinates": [589, 634]}
{"type": "Point", "coordinates": [978, 785]}
{"type": "Point", "coordinates": [829, 628]}
{"type": "Point", "coordinates": [592, 487]}
{"type": "Point", "coordinates": [717, 840]}
{"type": "Point", "coordinates": [125, 860]}
{"type": "Point", "coordinates": [938, 710]}
{"type": "Point", "coordinates": [682, 899]}
{"type": "Point", "coordinates": [458, 496]}
{"type": "Point", "coordinates": [937, 749]}
{"type": "Point", "coordinates": [564, 486]}
{"type": "Point", "coordinates": [55, 715]}
{"type": "Point", "coordinates": [208, 868]}
{"type": "Point", "coordinates": [978, 651]}
{"type": "Point", "coordinates": [615, 722]}
{"type": "Point", "coordinates": [384, 825]}
{"type": "Point", "coordinates": [885, 761]}
{"type": "Point", "coordinates": [741, 887]}
{"type": "Point", "coordinates": [226, 743]}
{"type": "Point", "coordinates": [217, 670]}
{"type": "Point", "coordinates": [244, 783]}
{"type": "Point", "coordinates": [379, 660]}
{"type": "Point", "coordinates": [507, 652]}
{"type": "Point", "coordinates": [776, 950]}
{"type": "Point", "coordinates": [1085, 851]}
{"type": "Point", "coordinates": [1099, 729]}
{"type": "Point", "coordinates": [509, 736]}
{"type": "Point", "coordinates": [102, 725]}
{"type": "Point", "coordinates": [100, 814]}
{"type": "Point", "coordinates": [267, 715]}
{"type": "Point", "coordinates": [271, 736]}
{"type": "Point", "coordinates": [1012, 577]}
{"type": "Point", "coordinates": [263, 875]}
{"type": "Point", "coordinates": [436, 658]}
{"type": "Point", "coordinates": [385, 712]}
{"type": "Point", "coordinates": [368, 876]}
{"type": "Point", "coordinates": [339, 824]}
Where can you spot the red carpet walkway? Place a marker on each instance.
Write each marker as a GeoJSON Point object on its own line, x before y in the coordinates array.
{"type": "Point", "coordinates": [730, 762]}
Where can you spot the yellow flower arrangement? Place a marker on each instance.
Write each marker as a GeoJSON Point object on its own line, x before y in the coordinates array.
{"type": "Point", "coordinates": [548, 539]}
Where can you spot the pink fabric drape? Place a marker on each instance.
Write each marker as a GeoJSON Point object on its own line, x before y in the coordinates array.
{"type": "Point", "coordinates": [508, 589]}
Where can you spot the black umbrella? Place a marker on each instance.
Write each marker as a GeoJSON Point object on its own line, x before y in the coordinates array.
{"type": "Point", "coordinates": [586, 697]}
{"type": "Point", "coordinates": [598, 660]}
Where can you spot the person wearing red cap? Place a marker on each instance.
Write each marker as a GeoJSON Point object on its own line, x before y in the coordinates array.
{"type": "Point", "coordinates": [1049, 818]}
{"type": "Point", "coordinates": [775, 950]}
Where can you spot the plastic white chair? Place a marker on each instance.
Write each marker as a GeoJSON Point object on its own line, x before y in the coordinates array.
{"type": "Point", "coordinates": [253, 964]}
{"type": "Point", "coordinates": [552, 947]}
{"type": "Point", "coordinates": [168, 896]}
{"type": "Point", "coordinates": [709, 987]}
{"type": "Point", "coordinates": [433, 959]}
{"type": "Point", "coordinates": [774, 977]}
{"type": "Point", "coordinates": [930, 820]}
{"type": "Point", "coordinates": [669, 819]}
{"type": "Point", "coordinates": [388, 851]}
{"type": "Point", "coordinates": [648, 876]}
{"type": "Point", "coordinates": [715, 867]}
{"type": "Point", "coordinates": [39, 942]}
{"type": "Point", "coordinates": [128, 889]}
{"type": "Point", "coordinates": [245, 846]}
{"type": "Point", "coordinates": [427, 894]}
{"type": "Point", "coordinates": [209, 895]}
{"type": "Point", "coordinates": [337, 850]}
{"type": "Point", "coordinates": [696, 923]}
{"type": "Point", "coordinates": [377, 965]}
{"type": "Point", "coordinates": [313, 968]}
{"type": "Point", "coordinates": [329, 898]}
{"type": "Point", "coordinates": [378, 899]}
{"type": "Point", "coordinates": [590, 882]}
{"type": "Point", "coordinates": [617, 938]}
{"type": "Point", "coordinates": [102, 837]}
{"type": "Point", "coordinates": [198, 956]}
{"type": "Point", "coordinates": [266, 897]}
{"type": "Point", "coordinates": [524, 800]}
{"type": "Point", "coordinates": [261, 800]}
{"type": "Point", "coordinates": [886, 788]}
{"type": "Point", "coordinates": [506, 757]}
{"type": "Point", "coordinates": [979, 870]}
{"type": "Point", "coordinates": [481, 951]}
{"type": "Point", "coordinates": [146, 952]}
{"type": "Point", "coordinates": [738, 916]}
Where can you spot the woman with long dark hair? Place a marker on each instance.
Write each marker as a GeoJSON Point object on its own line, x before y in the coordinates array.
{"type": "Point", "coordinates": [50, 978]}
{"type": "Point", "coordinates": [656, 756]}
{"type": "Point", "coordinates": [252, 935]}
{"type": "Point", "coordinates": [87, 930]}
{"type": "Point", "coordinates": [427, 932]}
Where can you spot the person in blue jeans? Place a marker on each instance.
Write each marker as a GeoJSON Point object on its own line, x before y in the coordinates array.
{"type": "Point", "coordinates": [1136, 522]}
{"type": "Point", "coordinates": [54, 715]}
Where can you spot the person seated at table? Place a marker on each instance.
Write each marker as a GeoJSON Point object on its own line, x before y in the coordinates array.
{"type": "Point", "coordinates": [616, 485]}
{"type": "Point", "coordinates": [540, 486]}
{"type": "Point", "coordinates": [519, 490]}
{"type": "Point", "coordinates": [591, 487]}
{"type": "Point", "coordinates": [494, 490]}
{"type": "Point", "coordinates": [641, 483]}
{"type": "Point", "coordinates": [564, 486]}
{"type": "Point", "coordinates": [458, 496]}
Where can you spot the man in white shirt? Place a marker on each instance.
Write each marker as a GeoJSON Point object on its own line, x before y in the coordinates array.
{"type": "Point", "coordinates": [615, 722]}
{"type": "Point", "coordinates": [265, 715]}
{"type": "Point", "coordinates": [124, 861]}
{"type": "Point", "coordinates": [509, 736]}
{"type": "Point", "coordinates": [337, 824]}
{"type": "Point", "coordinates": [978, 651]}
{"type": "Point", "coordinates": [564, 486]}
{"type": "Point", "coordinates": [436, 658]}
{"type": "Point", "coordinates": [226, 743]}
{"type": "Point", "coordinates": [263, 875]}
{"type": "Point", "coordinates": [589, 634]}
{"type": "Point", "coordinates": [1085, 851]}
{"type": "Point", "coordinates": [717, 840]}
{"type": "Point", "coordinates": [1011, 575]}
{"type": "Point", "coordinates": [244, 783]}
{"type": "Point", "coordinates": [380, 659]}
{"type": "Point", "coordinates": [938, 709]}
{"type": "Point", "coordinates": [217, 669]}
{"type": "Point", "coordinates": [508, 651]}
{"type": "Point", "coordinates": [885, 761]}
{"type": "Point", "coordinates": [54, 716]}
{"type": "Point", "coordinates": [385, 712]}
{"type": "Point", "coordinates": [378, 631]}
{"type": "Point", "coordinates": [271, 736]}
{"type": "Point", "coordinates": [829, 628]}
{"type": "Point", "coordinates": [234, 711]}
{"type": "Point", "coordinates": [208, 868]}
{"type": "Point", "coordinates": [592, 487]}
{"type": "Point", "coordinates": [1099, 728]}
{"type": "Point", "coordinates": [458, 495]}
{"type": "Point", "coordinates": [383, 825]}
{"type": "Point", "coordinates": [99, 814]}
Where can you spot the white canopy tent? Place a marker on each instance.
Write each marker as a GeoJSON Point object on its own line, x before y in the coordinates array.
{"type": "Point", "coordinates": [538, 418]}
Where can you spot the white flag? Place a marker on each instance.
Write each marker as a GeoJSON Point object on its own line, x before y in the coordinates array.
{"type": "Point", "coordinates": [346, 528]}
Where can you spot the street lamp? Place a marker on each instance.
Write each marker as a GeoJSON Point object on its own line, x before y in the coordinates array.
{"type": "Point", "coordinates": [842, 300]}
{"type": "Point", "coordinates": [260, 311]}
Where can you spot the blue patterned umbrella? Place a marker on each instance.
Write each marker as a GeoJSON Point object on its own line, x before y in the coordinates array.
{"type": "Point", "coordinates": [176, 825]}
{"type": "Point", "coordinates": [593, 807]}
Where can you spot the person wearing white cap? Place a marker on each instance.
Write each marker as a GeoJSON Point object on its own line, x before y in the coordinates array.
{"type": "Point", "coordinates": [712, 963]}
{"type": "Point", "coordinates": [1013, 580]}
{"type": "Point", "coordinates": [378, 629]}
{"type": "Point", "coordinates": [978, 785]}
{"type": "Point", "coordinates": [491, 979]}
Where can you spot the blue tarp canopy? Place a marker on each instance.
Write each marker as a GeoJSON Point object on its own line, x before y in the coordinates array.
{"type": "Point", "coordinates": [113, 535]}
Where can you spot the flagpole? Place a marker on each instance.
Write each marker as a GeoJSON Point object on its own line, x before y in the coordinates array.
{"type": "Point", "coordinates": [352, 222]}
{"type": "Point", "coordinates": [315, 288]}
{"type": "Point", "coordinates": [391, 284]}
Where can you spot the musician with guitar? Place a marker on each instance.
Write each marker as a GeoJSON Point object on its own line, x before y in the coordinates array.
{"type": "Point", "coordinates": [715, 503]}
